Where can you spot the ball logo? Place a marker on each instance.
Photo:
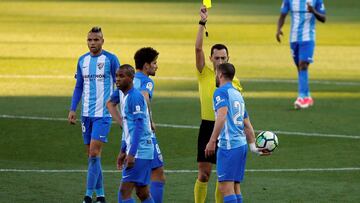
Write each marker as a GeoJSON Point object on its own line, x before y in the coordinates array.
{"type": "Point", "coordinates": [149, 86]}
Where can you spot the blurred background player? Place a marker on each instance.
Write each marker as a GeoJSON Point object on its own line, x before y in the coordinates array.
{"type": "Point", "coordinates": [302, 40]}
{"type": "Point", "coordinates": [233, 130]}
{"type": "Point", "coordinates": [137, 149]}
{"type": "Point", "coordinates": [95, 78]}
{"type": "Point", "coordinates": [146, 65]}
{"type": "Point", "coordinates": [206, 81]}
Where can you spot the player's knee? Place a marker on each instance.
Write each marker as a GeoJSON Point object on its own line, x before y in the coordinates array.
{"type": "Point", "coordinates": [204, 176]}
{"type": "Point", "coordinates": [142, 194]}
{"type": "Point", "coordinates": [303, 65]}
{"type": "Point", "coordinates": [94, 152]}
{"type": "Point", "coordinates": [158, 175]}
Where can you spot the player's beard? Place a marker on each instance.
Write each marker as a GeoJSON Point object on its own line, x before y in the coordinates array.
{"type": "Point", "coordinates": [217, 82]}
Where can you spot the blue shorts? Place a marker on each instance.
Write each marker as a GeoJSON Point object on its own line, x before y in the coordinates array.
{"type": "Point", "coordinates": [95, 128]}
{"type": "Point", "coordinates": [158, 161]}
{"type": "Point", "coordinates": [302, 51]}
{"type": "Point", "coordinates": [231, 164]}
{"type": "Point", "coordinates": [139, 174]}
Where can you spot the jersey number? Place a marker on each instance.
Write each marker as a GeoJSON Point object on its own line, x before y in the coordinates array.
{"type": "Point", "coordinates": [239, 108]}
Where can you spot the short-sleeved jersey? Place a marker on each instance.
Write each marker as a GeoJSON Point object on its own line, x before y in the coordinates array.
{"type": "Point", "coordinates": [143, 82]}
{"type": "Point", "coordinates": [132, 107]}
{"type": "Point", "coordinates": [302, 21]}
{"type": "Point", "coordinates": [232, 135]}
{"type": "Point", "coordinates": [96, 75]}
{"type": "Point", "coordinates": [207, 86]}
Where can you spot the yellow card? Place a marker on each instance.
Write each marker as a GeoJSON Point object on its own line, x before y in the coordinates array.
{"type": "Point", "coordinates": [207, 3]}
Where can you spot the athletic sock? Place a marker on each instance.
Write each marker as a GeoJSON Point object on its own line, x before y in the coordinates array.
{"type": "Point", "coordinates": [149, 200]}
{"type": "Point", "coordinates": [92, 175]}
{"type": "Point", "coordinates": [157, 191]}
{"type": "Point", "coordinates": [239, 198]}
{"type": "Point", "coordinates": [200, 191]}
{"type": "Point", "coordinates": [230, 199]}
{"type": "Point", "coordinates": [119, 197]}
{"type": "Point", "coordinates": [303, 80]}
{"type": "Point", "coordinates": [99, 188]}
{"type": "Point", "coordinates": [218, 196]}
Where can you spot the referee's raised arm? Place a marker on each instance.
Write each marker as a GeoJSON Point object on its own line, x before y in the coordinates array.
{"type": "Point", "coordinates": [199, 52]}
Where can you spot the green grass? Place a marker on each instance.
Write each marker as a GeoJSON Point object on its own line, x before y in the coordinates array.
{"type": "Point", "coordinates": [44, 39]}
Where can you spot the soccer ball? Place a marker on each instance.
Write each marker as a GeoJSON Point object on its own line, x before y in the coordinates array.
{"type": "Point", "coordinates": [267, 140]}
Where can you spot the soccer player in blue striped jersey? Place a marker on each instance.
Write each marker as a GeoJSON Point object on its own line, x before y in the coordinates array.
{"type": "Point", "coordinates": [95, 78]}
{"type": "Point", "coordinates": [233, 130]}
{"type": "Point", "coordinates": [146, 66]}
{"type": "Point", "coordinates": [304, 13]}
{"type": "Point", "coordinates": [137, 149]}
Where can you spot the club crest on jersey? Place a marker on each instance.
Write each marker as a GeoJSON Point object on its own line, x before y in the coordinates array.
{"type": "Point", "coordinates": [100, 65]}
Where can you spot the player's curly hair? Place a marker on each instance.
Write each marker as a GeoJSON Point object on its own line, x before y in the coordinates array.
{"type": "Point", "coordinates": [144, 55]}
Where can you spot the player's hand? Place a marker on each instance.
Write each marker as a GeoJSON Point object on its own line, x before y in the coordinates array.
{"type": "Point", "coordinates": [72, 117]}
{"type": "Point", "coordinates": [129, 161]}
{"type": "Point", "coordinates": [210, 148]}
{"type": "Point", "coordinates": [310, 7]}
{"type": "Point", "coordinates": [279, 33]}
{"type": "Point", "coordinates": [259, 151]}
{"type": "Point", "coordinates": [120, 160]}
{"type": "Point", "coordinates": [203, 14]}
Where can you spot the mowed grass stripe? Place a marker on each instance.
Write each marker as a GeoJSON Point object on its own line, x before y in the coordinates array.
{"type": "Point", "coordinates": [191, 127]}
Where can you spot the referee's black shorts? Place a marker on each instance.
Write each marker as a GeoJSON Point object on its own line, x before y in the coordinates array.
{"type": "Point", "coordinates": [205, 131]}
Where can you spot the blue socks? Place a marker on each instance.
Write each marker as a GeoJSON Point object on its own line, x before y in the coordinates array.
{"type": "Point", "coordinates": [94, 169]}
{"type": "Point", "coordinates": [239, 198]}
{"type": "Point", "coordinates": [131, 200]}
{"type": "Point", "coordinates": [303, 83]}
{"type": "Point", "coordinates": [230, 199]}
{"type": "Point", "coordinates": [157, 191]}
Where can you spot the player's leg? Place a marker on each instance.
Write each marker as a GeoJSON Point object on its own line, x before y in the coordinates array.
{"type": "Point", "coordinates": [86, 127]}
{"type": "Point", "coordinates": [100, 131]}
{"type": "Point", "coordinates": [144, 194]}
{"type": "Point", "coordinates": [306, 52]}
{"type": "Point", "coordinates": [240, 171]}
{"type": "Point", "coordinates": [238, 192]}
{"type": "Point", "coordinates": [227, 190]}
{"type": "Point", "coordinates": [157, 174]}
{"type": "Point", "coordinates": [126, 189]}
{"type": "Point", "coordinates": [204, 163]}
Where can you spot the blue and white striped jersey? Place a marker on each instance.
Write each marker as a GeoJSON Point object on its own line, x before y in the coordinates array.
{"type": "Point", "coordinates": [302, 21]}
{"type": "Point", "coordinates": [232, 135]}
{"type": "Point", "coordinates": [95, 79]}
{"type": "Point", "coordinates": [133, 106]}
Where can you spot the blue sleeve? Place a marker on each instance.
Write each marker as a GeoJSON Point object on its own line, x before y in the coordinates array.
{"type": "Point", "coordinates": [320, 7]}
{"type": "Point", "coordinates": [135, 139]}
{"type": "Point", "coordinates": [285, 7]}
{"type": "Point", "coordinates": [115, 64]}
{"type": "Point", "coordinates": [115, 97]}
{"type": "Point", "coordinates": [78, 89]}
{"type": "Point", "coordinates": [148, 86]}
{"type": "Point", "coordinates": [220, 99]}
{"type": "Point", "coordinates": [137, 107]}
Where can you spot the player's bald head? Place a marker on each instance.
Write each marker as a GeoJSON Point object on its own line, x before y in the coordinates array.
{"type": "Point", "coordinates": [128, 70]}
